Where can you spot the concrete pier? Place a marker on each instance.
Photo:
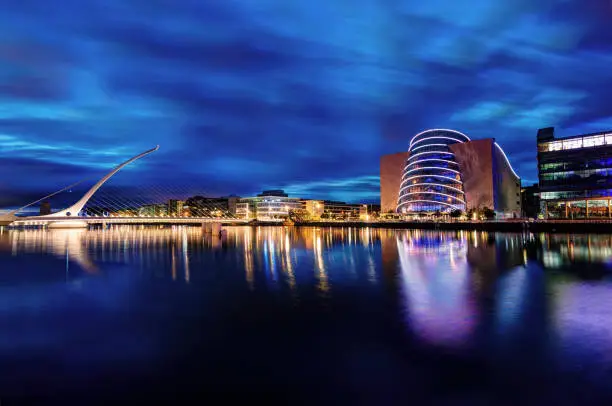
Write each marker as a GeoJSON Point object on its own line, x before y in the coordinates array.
{"type": "Point", "coordinates": [211, 228]}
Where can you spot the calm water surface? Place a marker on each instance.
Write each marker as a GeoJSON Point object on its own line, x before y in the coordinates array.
{"type": "Point", "coordinates": [303, 315]}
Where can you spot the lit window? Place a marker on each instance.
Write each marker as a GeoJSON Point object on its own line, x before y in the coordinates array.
{"type": "Point", "coordinates": [555, 146]}
{"type": "Point", "coordinates": [572, 144]}
{"type": "Point", "coordinates": [594, 141]}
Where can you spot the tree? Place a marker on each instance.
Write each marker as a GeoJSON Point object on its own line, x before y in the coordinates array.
{"type": "Point", "coordinates": [456, 213]}
{"type": "Point", "coordinates": [299, 215]}
{"type": "Point", "coordinates": [488, 213]}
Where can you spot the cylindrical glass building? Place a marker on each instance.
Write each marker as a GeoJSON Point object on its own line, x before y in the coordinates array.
{"type": "Point", "coordinates": [431, 179]}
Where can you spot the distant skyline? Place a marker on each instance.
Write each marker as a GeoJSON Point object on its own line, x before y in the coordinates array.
{"type": "Point", "coordinates": [300, 95]}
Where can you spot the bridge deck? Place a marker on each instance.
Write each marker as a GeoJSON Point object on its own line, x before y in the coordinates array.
{"type": "Point", "coordinates": [39, 221]}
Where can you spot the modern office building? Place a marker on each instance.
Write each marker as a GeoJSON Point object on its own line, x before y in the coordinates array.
{"type": "Point", "coordinates": [269, 205]}
{"type": "Point", "coordinates": [445, 170]}
{"type": "Point", "coordinates": [575, 175]}
{"type": "Point", "coordinates": [333, 210]}
{"type": "Point", "coordinates": [345, 211]}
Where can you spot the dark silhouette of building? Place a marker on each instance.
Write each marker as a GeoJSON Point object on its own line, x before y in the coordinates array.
{"type": "Point", "coordinates": [45, 208]}
{"type": "Point", "coordinates": [530, 198]}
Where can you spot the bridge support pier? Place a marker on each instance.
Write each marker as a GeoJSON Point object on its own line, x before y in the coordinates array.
{"type": "Point", "coordinates": [211, 228]}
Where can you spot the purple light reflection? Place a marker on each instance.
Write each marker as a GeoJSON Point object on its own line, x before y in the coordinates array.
{"type": "Point", "coordinates": [436, 287]}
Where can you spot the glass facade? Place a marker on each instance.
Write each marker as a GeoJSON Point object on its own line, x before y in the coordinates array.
{"type": "Point", "coordinates": [575, 175]}
{"type": "Point", "coordinates": [431, 180]}
{"type": "Point", "coordinates": [265, 207]}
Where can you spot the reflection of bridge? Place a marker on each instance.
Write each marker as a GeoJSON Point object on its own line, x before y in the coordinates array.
{"type": "Point", "coordinates": [71, 217]}
{"type": "Point", "coordinates": [79, 222]}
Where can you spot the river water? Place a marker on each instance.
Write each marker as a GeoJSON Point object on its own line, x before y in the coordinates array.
{"type": "Point", "coordinates": [305, 315]}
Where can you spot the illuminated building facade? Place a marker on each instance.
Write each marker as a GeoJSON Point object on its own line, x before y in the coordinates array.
{"type": "Point", "coordinates": [445, 171]}
{"type": "Point", "coordinates": [269, 205]}
{"type": "Point", "coordinates": [175, 208]}
{"type": "Point", "coordinates": [390, 180]}
{"type": "Point", "coordinates": [575, 175]}
{"type": "Point", "coordinates": [431, 180]}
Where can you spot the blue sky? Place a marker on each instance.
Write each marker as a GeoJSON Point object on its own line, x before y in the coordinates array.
{"type": "Point", "coordinates": [304, 95]}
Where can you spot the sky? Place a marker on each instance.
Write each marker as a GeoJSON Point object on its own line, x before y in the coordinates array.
{"type": "Point", "coordinates": [301, 95]}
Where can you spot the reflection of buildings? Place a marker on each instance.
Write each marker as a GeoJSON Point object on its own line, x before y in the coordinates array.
{"type": "Point", "coordinates": [575, 175]}
{"type": "Point", "coordinates": [446, 171]}
{"type": "Point", "coordinates": [436, 283]}
{"type": "Point", "coordinates": [445, 275]}
{"type": "Point", "coordinates": [563, 250]}
{"type": "Point", "coordinates": [273, 255]}
{"type": "Point", "coordinates": [66, 243]}
{"type": "Point", "coordinates": [490, 255]}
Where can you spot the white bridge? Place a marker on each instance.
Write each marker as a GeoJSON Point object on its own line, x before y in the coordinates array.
{"type": "Point", "coordinates": [69, 218]}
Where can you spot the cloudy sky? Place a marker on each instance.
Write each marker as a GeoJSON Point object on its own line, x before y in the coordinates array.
{"type": "Point", "coordinates": [303, 95]}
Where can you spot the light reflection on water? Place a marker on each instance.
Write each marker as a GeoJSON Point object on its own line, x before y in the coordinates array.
{"type": "Point", "coordinates": [521, 296]}
{"type": "Point", "coordinates": [435, 282]}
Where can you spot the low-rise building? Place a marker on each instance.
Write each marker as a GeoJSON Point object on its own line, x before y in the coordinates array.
{"type": "Point", "coordinates": [153, 210]}
{"type": "Point", "coordinates": [268, 205]}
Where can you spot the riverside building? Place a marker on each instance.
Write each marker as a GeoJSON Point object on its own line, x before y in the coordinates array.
{"type": "Point", "coordinates": [575, 175]}
{"type": "Point", "coordinates": [445, 170]}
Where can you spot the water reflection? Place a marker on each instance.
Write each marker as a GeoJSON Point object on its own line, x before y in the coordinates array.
{"type": "Point", "coordinates": [516, 297]}
{"type": "Point", "coordinates": [449, 284]}
{"type": "Point", "coordinates": [435, 281]}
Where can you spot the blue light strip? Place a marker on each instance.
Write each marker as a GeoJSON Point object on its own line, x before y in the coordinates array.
{"type": "Point", "coordinates": [430, 201]}
{"type": "Point", "coordinates": [433, 193]}
{"type": "Point", "coordinates": [431, 176]}
{"type": "Point", "coordinates": [433, 167]}
{"type": "Point", "coordinates": [438, 129]}
{"type": "Point", "coordinates": [507, 160]}
{"type": "Point", "coordinates": [436, 137]}
{"type": "Point", "coordinates": [430, 159]}
{"type": "Point", "coordinates": [431, 184]}
{"type": "Point", "coordinates": [429, 145]}
{"type": "Point", "coordinates": [430, 152]}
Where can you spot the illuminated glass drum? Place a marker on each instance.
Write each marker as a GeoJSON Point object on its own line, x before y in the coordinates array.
{"type": "Point", "coordinates": [431, 181]}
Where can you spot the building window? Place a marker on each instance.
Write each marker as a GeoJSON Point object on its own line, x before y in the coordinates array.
{"type": "Point", "coordinates": [594, 141]}
{"type": "Point", "coordinates": [572, 143]}
{"type": "Point", "coordinates": [598, 209]}
{"type": "Point", "coordinates": [577, 209]}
